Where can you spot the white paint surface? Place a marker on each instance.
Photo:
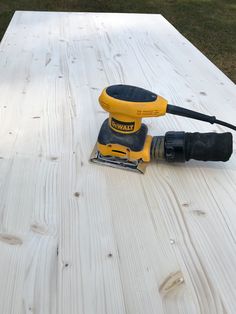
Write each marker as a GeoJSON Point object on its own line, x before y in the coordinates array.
{"type": "Point", "coordinates": [79, 238]}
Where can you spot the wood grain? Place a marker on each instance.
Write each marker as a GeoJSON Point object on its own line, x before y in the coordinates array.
{"type": "Point", "coordinates": [79, 238]}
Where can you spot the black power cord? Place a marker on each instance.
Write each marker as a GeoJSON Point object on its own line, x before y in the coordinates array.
{"type": "Point", "coordinates": [179, 111]}
{"type": "Point", "coordinates": [228, 125]}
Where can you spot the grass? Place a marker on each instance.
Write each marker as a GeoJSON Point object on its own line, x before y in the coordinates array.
{"type": "Point", "coordinates": [209, 24]}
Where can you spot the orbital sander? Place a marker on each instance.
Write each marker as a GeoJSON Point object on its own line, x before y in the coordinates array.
{"type": "Point", "coordinates": [123, 140]}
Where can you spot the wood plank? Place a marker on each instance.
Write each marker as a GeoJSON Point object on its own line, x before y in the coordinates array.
{"type": "Point", "coordinates": [79, 238]}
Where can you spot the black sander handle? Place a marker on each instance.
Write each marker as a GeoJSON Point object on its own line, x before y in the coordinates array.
{"type": "Point", "coordinates": [181, 146]}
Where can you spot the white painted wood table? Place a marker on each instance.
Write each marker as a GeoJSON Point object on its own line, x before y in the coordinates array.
{"type": "Point", "coordinates": [79, 238]}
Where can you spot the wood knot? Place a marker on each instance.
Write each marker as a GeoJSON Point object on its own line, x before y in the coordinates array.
{"type": "Point", "coordinates": [66, 264]}
{"type": "Point", "coordinates": [37, 228]}
{"type": "Point", "coordinates": [199, 212]}
{"type": "Point", "coordinates": [171, 283]}
{"type": "Point", "coordinates": [10, 239]}
{"type": "Point", "coordinates": [54, 158]}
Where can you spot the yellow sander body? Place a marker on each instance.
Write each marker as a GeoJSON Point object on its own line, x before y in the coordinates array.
{"type": "Point", "coordinates": [123, 140]}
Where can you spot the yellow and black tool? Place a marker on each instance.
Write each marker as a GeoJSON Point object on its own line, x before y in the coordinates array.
{"type": "Point", "coordinates": [123, 141]}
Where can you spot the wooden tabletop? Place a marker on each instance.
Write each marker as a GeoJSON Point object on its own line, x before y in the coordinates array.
{"type": "Point", "coordinates": [78, 238]}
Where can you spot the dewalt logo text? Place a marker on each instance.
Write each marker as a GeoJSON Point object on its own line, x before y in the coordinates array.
{"type": "Point", "coordinates": [122, 126]}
